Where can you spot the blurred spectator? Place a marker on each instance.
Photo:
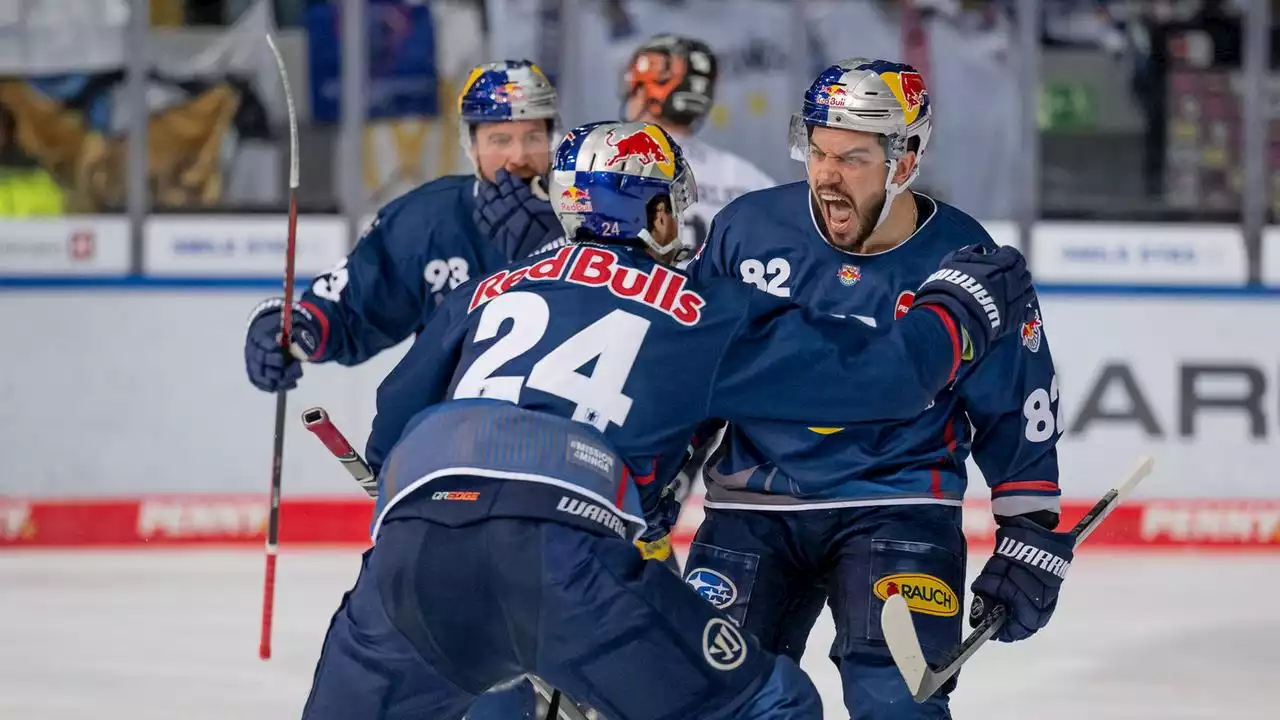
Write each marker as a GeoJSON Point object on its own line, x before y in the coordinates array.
{"type": "Point", "coordinates": [26, 189]}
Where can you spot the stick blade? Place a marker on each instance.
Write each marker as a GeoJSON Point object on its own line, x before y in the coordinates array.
{"type": "Point", "coordinates": [900, 635]}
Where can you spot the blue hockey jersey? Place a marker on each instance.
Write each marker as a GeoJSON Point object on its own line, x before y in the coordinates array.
{"type": "Point", "coordinates": [420, 246]}
{"type": "Point", "coordinates": [639, 355]}
{"type": "Point", "coordinates": [1002, 408]}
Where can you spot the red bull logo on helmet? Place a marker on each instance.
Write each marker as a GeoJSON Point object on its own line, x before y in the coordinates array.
{"type": "Point", "coordinates": [649, 146]}
{"type": "Point", "coordinates": [575, 200]}
{"type": "Point", "coordinates": [507, 92]}
{"type": "Point", "coordinates": [908, 87]}
{"type": "Point", "coordinates": [833, 96]}
{"type": "Point", "coordinates": [1031, 333]}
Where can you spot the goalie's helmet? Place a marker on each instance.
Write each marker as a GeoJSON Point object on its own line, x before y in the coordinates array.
{"type": "Point", "coordinates": [505, 91]}
{"type": "Point", "coordinates": [607, 178]}
{"type": "Point", "coordinates": [677, 76]}
{"type": "Point", "coordinates": [874, 96]}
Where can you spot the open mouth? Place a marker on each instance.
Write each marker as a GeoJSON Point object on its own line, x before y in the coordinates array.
{"type": "Point", "coordinates": [838, 211]}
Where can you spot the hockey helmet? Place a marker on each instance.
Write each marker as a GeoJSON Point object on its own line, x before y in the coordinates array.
{"type": "Point", "coordinates": [505, 91]}
{"type": "Point", "coordinates": [606, 177]}
{"type": "Point", "coordinates": [677, 75]}
{"type": "Point", "coordinates": [874, 96]}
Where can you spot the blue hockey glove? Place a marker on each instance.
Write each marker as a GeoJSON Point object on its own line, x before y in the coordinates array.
{"type": "Point", "coordinates": [268, 368]}
{"type": "Point", "coordinates": [986, 291]}
{"type": "Point", "coordinates": [1024, 574]}
{"type": "Point", "coordinates": [655, 542]}
{"type": "Point", "coordinates": [515, 215]}
{"type": "Point", "coordinates": [660, 515]}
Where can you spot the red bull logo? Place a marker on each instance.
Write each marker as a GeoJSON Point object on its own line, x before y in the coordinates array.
{"type": "Point", "coordinates": [507, 92]}
{"type": "Point", "coordinates": [908, 87]}
{"type": "Point", "coordinates": [649, 146]}
{"type": "Point", "coordinates": [575, 199]}
{"type": "Point", "coordinates": [849, 274]}
{"type": "Point", "coordinates": [833, 96]}
{"type": "Point", "coordinates": [1031, 333]}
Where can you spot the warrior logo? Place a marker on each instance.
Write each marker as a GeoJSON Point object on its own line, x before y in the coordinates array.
{"type": "Point", "coordinates": [723, 645]}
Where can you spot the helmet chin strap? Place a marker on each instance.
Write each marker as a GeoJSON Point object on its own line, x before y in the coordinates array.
{"type": "Point", "coordinates": [891, 191]}
{"type": "Point", "coordinates": [649, 240]}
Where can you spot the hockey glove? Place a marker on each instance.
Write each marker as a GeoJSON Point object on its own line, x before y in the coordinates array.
{"type": "Point", "coordinates": [655, 542]}
{"type": "Point", "coordinates": [516, 216]}
{"type": "Point", "coordinates": [1024, 574]}
{"type": "Point", "coordinates": [986, 291]}
{"type": "Point", "coordinates": [269, 370]}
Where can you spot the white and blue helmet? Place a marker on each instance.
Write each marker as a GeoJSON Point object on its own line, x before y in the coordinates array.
{"type": "Point", "coordinates": [505, 91]}
{"type": "Point", "coordinates": [873, 96]}
{"type": "Point", "coordinates": [605, 175]}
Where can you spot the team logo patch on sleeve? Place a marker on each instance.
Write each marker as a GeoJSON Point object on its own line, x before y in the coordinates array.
{"type": "Point", "coordinates": [924, 594]}
{"type": "Point", "coordinates": [1031, 333]}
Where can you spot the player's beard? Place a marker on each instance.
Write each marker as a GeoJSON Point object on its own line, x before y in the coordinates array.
{"type": "Point", "coordinates": [845, 223]}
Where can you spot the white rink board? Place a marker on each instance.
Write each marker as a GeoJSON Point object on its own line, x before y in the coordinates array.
{"type": "Point", "coordinates": [146, 392]}
{"type": "Point", "coordinates": [161, 635]}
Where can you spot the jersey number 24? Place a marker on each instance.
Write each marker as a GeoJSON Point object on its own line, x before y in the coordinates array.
{"type": "Point", "coordinates": [613, 342]}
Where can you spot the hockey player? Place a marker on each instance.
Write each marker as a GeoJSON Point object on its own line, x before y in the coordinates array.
{"type": "Point", "coordinates": [425, 243]}
{"type": "Point", "coordinates": [852, 512]}
{"type": "Point", "coordinates": [534, 416]}
{"type": "Point", "coordinates": [671, 81]}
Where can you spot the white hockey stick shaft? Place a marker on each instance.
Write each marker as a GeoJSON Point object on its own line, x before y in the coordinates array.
{"type": "Point", "coordinates": [900, 632]}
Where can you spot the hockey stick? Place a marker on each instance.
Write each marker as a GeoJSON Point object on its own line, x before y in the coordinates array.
{"type": "Point", "coordinates": [557, 709]}
{"type": "Point", "coordinates": [900, 632]}
{"type": "Point", "coordinates": [286, 327]}
{"type": "Point", "coordinates": [318, 422]}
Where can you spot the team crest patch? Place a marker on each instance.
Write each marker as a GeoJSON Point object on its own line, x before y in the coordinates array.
{"type": "Point", "coordinates": [723, 646]}
{"type": "Point", "coordinates": [1031, 334]}
{"type": "Point", "coordinates": [849, 274]}
{"type": "Point", "coordinates": [714, 587]}
{"type": "Point", "coordinates": [903, 304]}
{"type": "Point", "coordinates": [924, 594]}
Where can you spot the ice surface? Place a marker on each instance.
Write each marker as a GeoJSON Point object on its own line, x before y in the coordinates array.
{"type": "Point", "coordinates": [163, 634]}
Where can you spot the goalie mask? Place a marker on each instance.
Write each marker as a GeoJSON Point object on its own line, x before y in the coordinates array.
{"type": "Point", "coordinates": [677, 77]}
{"type": "Point", "coordinates": [607, 177]}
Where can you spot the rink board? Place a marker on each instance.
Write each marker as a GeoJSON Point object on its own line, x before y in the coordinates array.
{"type": "Point", "coordinates": [242, 519]}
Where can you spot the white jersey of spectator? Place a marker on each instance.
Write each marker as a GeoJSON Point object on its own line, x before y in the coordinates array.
{"type": "Point", "coordinates": [720, 176]}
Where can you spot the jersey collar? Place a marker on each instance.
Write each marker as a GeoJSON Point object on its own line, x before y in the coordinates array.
{"type": "Point", "coordinates": [920, 226]}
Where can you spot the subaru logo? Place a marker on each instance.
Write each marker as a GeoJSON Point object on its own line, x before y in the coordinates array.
{"type": "Point", "coordinates": [714, 587]}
